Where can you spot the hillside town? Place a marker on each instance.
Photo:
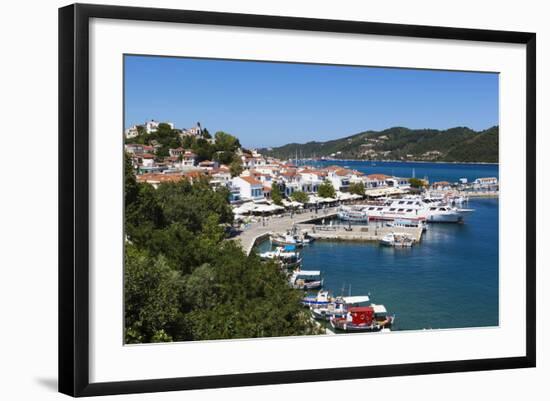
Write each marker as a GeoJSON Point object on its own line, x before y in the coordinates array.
{"type": "Point", "coordinates": [259, 174]}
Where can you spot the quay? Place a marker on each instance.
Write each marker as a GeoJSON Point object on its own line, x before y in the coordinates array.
{"type": "Point", "coordinates": [372, 232]}
{"type": "Point", "coordinates": [260, 230]}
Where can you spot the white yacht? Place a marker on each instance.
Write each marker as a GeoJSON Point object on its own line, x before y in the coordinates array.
{"type": "Point", "coordinates": [412, 208]}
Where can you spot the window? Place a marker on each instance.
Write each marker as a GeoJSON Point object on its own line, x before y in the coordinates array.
{"type": "Point", "coordinates": [409, 210]}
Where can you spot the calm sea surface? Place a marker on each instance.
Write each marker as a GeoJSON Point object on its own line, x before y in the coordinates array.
{"type": "Point", "coordinates": [433, 171]}
{"type": "Point", "coordinates": [449, 280]}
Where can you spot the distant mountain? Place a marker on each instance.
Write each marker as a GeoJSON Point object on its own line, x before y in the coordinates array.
{"type": "Point", "coordinates": [460, 144]}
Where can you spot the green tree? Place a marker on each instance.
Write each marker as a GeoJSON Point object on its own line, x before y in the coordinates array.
{"type": "Point", "coordinates": [300, 196]}
{"type": "Point", "coordinates": [246, 298]}
{"type": "Point", "coordinates": [203, 149]}
{"type": "Point", "coordinates": [130, 185]}
{"type": "Point", "coordinates": [151, 293]}
{"type": "Point", "coordinates": [417, 183]}
{"type": "Point", "coordinates": [226, 142]}
{"type": "Point", "coordinates": [326, 190]}
{"type": "Point", "coordinates": [236, 168]}
{"type": "Point", "coordinates": [192, 203]}
{"type": "Point", "coordinates": [276, 195]}
{"type": "Point", "coordinates": [357, 188]}
{"type": "Point", "coordinates": [224, 157]}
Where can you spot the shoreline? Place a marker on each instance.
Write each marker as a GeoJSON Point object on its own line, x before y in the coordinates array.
{"type": "Point", "coordinates": [401, 161]}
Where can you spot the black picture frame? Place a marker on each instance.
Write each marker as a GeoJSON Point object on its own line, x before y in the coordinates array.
{"type": "Point", "coordinates": [74, 198]}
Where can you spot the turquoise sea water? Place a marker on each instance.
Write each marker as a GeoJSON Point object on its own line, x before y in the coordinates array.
{"type": "Point", "coordinates": [449, 280]}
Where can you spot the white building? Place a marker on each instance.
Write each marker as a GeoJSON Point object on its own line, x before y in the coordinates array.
{"type": "Point", "coordinates": [340, 179]}
{"type": "Point", "coordinates": [486, 181]}
{"type": "Point", "coordinates": [376, 181]}
{"type": "Point", "coordinates": [188, 159]}
{"type": "Point", "coordinates": [249, 188]}
{"type": "Point", "coordinates": [133, 148]}
{"type": "Point", "coordinates": [191, 131]}
{"type": "Point", "coordinates": [131, 132]}
{"type": "Point", "coordinates": [152, 126]}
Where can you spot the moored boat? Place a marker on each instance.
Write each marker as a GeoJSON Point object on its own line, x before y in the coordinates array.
{"type": "Point", "coordinates": [363, 319]}
{"type": "Point", "coordinates": [352, 215]}
{"type": "Point", "coordinates": [306, 279]}
{"type": "Point", "coordinates": [399, 240]}
{"type": "Point", "coordinates": [322, 298]}
{"type": "Point", "coordinates": [286, 239]}
{"type": "Point", "coordinates": [338, 307]}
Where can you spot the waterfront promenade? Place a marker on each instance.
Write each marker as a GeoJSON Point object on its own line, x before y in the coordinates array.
{"type": "Point", "coordinates": [278, 224]}
{"type": "Point", "coordinates": [261, 229]}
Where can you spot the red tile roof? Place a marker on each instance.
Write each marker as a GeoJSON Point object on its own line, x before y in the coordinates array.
{"type": "Point", "coordinates": [378, 176]}
{"type": "Point", "coordinates": [251, 180]}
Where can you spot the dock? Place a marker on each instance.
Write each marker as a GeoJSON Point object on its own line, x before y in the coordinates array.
{"type": "Point", "coordinates": [372, 232]}
{"type": "Point", "coordinates": [258, 231]}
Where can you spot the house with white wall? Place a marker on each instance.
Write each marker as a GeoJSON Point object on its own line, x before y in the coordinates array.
{"type": "Point", "coordinates": [249, 187]}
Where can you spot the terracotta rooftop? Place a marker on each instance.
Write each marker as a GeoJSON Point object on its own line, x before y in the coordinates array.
{"type": "Point", "coordinates": [378, 176]}
{"type": "Point", "coordinates": [251, 180]}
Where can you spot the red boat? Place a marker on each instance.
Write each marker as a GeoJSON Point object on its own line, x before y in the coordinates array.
{"type": "Point", "coordinates": [364, 319]}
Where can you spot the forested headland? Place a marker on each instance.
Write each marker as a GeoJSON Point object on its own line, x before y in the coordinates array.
{"type": "Point", "coordinates": [460, 144]}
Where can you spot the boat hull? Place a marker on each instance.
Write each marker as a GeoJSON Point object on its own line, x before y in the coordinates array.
{"type": "Point", "coordinates": [446, 218]}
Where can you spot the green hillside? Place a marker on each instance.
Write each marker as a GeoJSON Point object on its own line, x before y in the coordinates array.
{"type": "Point", "coordinates": [460, 144]}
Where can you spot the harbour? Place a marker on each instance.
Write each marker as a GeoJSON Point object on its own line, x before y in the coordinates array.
{"type": "Point", "coordinates": [447, 278]}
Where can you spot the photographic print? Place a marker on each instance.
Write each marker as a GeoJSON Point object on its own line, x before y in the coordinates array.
{"type": "Point", "coordinates": [271, 199]}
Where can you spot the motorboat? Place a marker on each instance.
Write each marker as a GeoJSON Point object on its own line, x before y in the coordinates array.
{"type": "Point", "coordinates": [286, 239]}
{"type": "Point", "coordinates": [397, 239]}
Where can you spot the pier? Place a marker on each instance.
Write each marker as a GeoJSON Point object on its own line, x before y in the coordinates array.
{"type": "Point", "coordinates": [373, 232]}
{"type": "Point", "coordinates": [262, 229]}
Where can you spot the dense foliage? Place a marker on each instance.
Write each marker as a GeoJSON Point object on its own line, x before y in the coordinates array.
{"type": "Point", "coordinates": [357, 188]}
{"type": "Point", "coordinates": [221, 148]}
{"type": "Point", "coordinates": [185, 281]}
{"type": "Point", "coordinates": [299, 196]}
{"type": "Point", "coordinates": [326, 190]}
{"type": "Point", "coordinates": [276, 194]}
{"type": "Point", "coordinates": [417, 183]}
{"type": "Point", "coordinates": [460, 144]}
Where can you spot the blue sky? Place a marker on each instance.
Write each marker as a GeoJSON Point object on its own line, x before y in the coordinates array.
{"type": "Point", "coordinates": [271, 104]}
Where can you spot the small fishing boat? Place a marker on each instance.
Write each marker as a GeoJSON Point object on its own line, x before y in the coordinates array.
{"type": "Point", "coordinates": [286, 239]}
{"type": "Point", "coordinates": [322, 298]}
{"type": "Point", "coordinates": [290, 263]}
{"type": "Point", "coordinates": [337, 308]}
{"type": "Point", "coordinates": [306, 279]}
{"type": "Point", "coordinates": [398, 240]}
{"type": "Point", "coordinates": [371, 318]}
{"type": "Point", "coordinates": [279, 253]}
{"type": "Point", "coordinates": [287, 259]}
